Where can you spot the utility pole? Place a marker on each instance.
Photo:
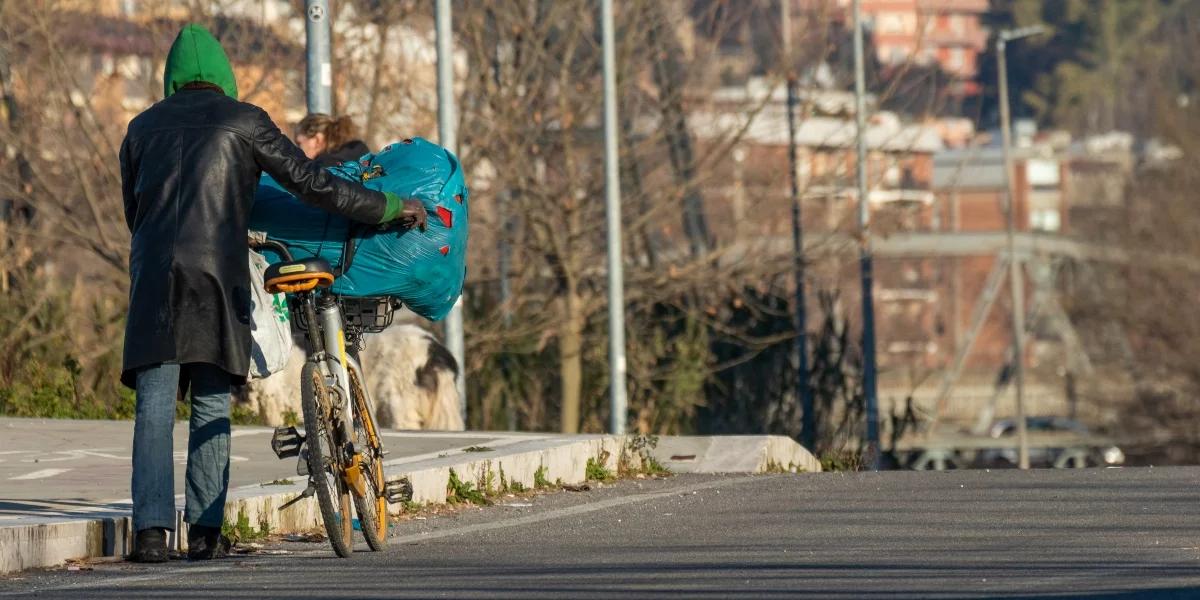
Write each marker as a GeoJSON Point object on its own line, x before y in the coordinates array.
{"type": "Point", "coordinates": [319, 73]}
{"type": "Point", "coordinates": [448, 137]}
{"type": "Point", "coordinates": [808, 424]}
{"type": "Point", "coordinates": [1015, 284]}
{"type": "Point", "coordinates": [865, 265]}
{"type": "Point", "coordinates": [612, 205]}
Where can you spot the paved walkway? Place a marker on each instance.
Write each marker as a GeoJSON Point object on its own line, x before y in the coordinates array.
{"type": "Point", "coordinates": [54, 468]}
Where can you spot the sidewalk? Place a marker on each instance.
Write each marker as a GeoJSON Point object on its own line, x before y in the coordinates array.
{"type": "Point", "coordinates": [64, 485]}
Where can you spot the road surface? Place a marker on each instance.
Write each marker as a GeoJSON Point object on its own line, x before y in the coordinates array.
{"type": "Point", "coordinates": [1116, 533]}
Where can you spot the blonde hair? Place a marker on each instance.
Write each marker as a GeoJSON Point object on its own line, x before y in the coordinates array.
{"type": "Point", "coordinates": [338, 130]}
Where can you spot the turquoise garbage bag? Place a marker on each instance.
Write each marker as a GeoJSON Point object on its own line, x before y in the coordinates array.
{"type": "Point", "coordinates": [425, 270]}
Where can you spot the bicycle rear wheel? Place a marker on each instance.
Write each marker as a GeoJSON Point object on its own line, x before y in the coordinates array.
{"type": "Point", "coordinates": [371, 508]}
{"type": "Point", "coordinates": [324, 466]}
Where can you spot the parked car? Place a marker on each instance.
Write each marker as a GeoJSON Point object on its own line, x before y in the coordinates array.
{"type": "Point", "coordinates": [1095, 452]}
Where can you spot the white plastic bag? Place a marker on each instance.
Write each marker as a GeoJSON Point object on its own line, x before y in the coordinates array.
{"type": "Point", "coordinates": [270, 324]}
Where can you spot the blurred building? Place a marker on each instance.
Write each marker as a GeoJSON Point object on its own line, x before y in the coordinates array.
{"type": "Point", "coordinates": [118, 49]}
{"type": "Point", "coordinates": [939, 214]}
{"type": "Point", "coordinates": [750, 191]}
{"type": "Point", "coordinates": [945, 33]}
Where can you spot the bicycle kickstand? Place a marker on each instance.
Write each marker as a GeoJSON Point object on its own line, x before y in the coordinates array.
{"type": "Point", "coordinates": [307, 493]}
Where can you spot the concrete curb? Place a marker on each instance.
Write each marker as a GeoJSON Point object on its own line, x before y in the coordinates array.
{"type": "Point", "coordinates": [107, 531]}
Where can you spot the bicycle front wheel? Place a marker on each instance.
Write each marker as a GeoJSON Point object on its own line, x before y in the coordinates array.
{"type": "Point", "coordinates": [324, 464]}
{"type": "Point", "coordinates": [372, 508]}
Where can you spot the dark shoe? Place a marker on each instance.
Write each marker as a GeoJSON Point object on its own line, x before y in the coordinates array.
{"type": "Point", "coordinates": [149, 546]}
{"type": "Point", "coordinates": [205, 543]}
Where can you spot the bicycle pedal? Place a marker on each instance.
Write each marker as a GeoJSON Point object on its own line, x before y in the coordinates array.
{"type": "Point", "coordinates": [286, 442]}
{"type": "Point", "coordinates": [398, 490]}
{"type": "Point", "coordinates": [307, 493]}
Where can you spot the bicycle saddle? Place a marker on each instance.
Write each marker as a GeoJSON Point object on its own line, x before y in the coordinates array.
{"type": "Point", "coordinates": [298, 275]}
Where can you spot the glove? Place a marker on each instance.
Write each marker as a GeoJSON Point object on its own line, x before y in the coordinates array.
{"type": "Point", "coordinates": [405, 212]}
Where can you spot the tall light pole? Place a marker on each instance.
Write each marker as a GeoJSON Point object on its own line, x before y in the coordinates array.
{"type": "Point", "coordinates": [808, 423]}
{"type": "Point", "coordinates": [612, 205]}
{"type": "Point", "coordinates": [1016, 286]}
{"type": "Point", "coordinates": [448, 137]}
{"type": "Point", "coordinates": [865, 265]}
{"type": "Point", "coordinates": [319, 72]}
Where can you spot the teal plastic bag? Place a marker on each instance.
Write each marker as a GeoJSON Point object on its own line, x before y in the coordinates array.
{"type": "Point", "coordinates": [425, 270]}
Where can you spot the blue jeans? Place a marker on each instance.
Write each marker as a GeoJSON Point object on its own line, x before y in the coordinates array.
{"type": "Point", "coordinates": [153, 446]}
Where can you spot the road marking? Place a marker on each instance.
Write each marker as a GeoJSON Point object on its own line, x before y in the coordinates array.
{"type": "Point", "coordinates": [44, 473]}
{"type": "Point", "coordinates": [244, 432]}
{"type": "Point", "coordinates": [65, 455]}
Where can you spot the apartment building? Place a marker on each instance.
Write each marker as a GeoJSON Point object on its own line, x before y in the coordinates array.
{"type": "Point", "coordinates": [946, 33]}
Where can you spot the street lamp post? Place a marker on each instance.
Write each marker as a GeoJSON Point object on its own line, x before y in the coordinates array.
{"type": "Point", "coordinates": [808, 424]}
{"type": "Point", "coordinates": [1016, 285]}
{"type": "Point", "coordinates": [865, 262]}
{"type": "Point", "coordinates": [612, 204]}
{"type": "Point", "coordinates": [319, 71]}
{"type": "Point", "coordinates": [448, 138]}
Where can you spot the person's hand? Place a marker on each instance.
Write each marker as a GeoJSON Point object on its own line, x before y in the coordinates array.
{"type": "Point", "coordinates": [407, 213]}
{"type": "Point", "coordinates": [413, 215]}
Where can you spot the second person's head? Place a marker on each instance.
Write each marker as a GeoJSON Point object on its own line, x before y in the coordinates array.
{"type": "Point", "coordinates": [319, 133]}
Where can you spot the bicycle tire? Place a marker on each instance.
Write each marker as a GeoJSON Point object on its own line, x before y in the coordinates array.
{"type": "Point", "coordinates": [332, 495]}
{"type": "Point", "coordinates": [372, 508]}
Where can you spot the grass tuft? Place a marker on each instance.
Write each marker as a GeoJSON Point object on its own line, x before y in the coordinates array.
{"type": "Point", "coordinates": [241, 531]}
{"type": "Point", "coordinates": [539, 478]}
{"type": "Point", "coordinates": [596, 471]}
{"type": "Point", "coordinates": [462, 492]}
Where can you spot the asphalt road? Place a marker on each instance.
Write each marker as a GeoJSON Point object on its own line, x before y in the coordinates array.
{"type": "Point", "coordinates": [1117, 533]}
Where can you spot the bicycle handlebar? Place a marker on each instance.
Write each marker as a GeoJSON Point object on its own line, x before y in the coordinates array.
{"type": "Point", "coordinates": [275, 246]}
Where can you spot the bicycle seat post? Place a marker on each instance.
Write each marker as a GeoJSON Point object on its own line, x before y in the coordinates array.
{"type": "Point", "coordinates": [329, 316]}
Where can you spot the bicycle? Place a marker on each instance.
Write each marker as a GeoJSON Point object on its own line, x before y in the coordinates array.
{"type": "Point", "coordinates": [340, 450]}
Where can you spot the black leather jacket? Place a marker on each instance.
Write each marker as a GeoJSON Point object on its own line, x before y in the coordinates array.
{"type": "Point", "coordinates": [189, 167]}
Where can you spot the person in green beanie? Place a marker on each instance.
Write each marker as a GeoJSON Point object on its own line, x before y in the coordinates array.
{"type": "Point", "coordinates": [190, 165]}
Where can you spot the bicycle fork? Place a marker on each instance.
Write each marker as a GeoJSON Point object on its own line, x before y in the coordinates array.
{"type": "Point", "coordinates": [330, 317]}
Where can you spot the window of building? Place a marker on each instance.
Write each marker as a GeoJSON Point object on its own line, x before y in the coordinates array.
{"type": "Point", "coordinates": [1045, 219]}
{"type": "Point", "coordinates": [958, 24]}
{"type": "Point", "coordinates": [956, 59]}
{"type": "Point", "coordinates": [890, 22]}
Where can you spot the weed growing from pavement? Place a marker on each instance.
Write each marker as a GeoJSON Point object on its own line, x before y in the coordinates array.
{"type": "Point", "coordinates": [278, 482]}
{"type": "Point", "coordinates": [462, 492]}
{"type": "Point", "coordinates": [241, 530]}
{"type": "Point", "coordinates": [495, 486]}
{"type": "Point", "coordinates": [596, 471]}
{"type": "Point", "coordinates": [842, 460]}
{"type": "Point", "coordinates": [539, 478]}
{"type": "Point", "coordinates": [774, 467]}
{"type": "Point", "coordinates": [477, 449]}
{"type": "Point", "coordinates": [636, 460]}
{"type": "Point", "coordinates": [489, 480]}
